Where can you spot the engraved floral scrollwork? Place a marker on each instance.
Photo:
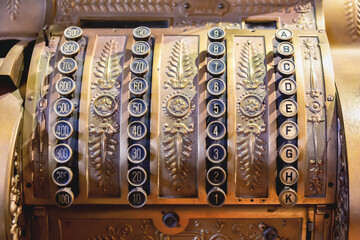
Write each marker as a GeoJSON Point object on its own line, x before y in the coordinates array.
{"type": "Point", "coordinates": [123, 5]}
{"type": "Point", "coordinates": [108, 66]}
{"type": "Point", "coordinates": [303, 6]}
{"type": "Point", "coordinates": [302, 22]}
{"type": "Point", "coordinates": [184, 235]}
{"type": "Point", "coordinates": [102, 152]}
{"type": "Point", "coordinates": [114, 233]}
{"type": "Point", "coordinates": [316, 181]}
{"type": "Point", "coordinates": [251, 153]}
{"type": "Point", "coordinates": [178, 105]}
{"type": "Point", "coordinates": [65, 6]}
{"type": "Point", "coordinates": [180, 68]}
{"type": "Point", "coordinates": [104, 105]}
{"type": "Point", "coordinates": [178, 147]}
{"type": "Point", "coordinates": [251, 108]}
{"type": "Point", "coordinates": [13, 8]}
{"type": "Point", "coordinates": [234, 229]}
{"type": "Point", "coordinates": [68, 7]}
{"type": "Point", "coordinates": [16, 201]}
{"type": "Point", "coordinates": [341, 219]}
{"type": "Point", "coordinates": [251, 67]}
{"type": "Point", "coordinates": [248, 232]}
{"type": "Point", "coordinates": [352, 13]}
{"type": "Point", "coordinates": [219, 236]}
{"type": "Point", "coordinates": [265, 6]}
{"type": "Point", "coordinates": [104, 127]}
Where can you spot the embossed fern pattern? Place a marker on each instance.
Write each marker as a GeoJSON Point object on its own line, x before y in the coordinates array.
{"type": "Point", "coordinates": [102, 153]}
{"type": "Point", "coordinates": [251, 153]}
{"type": "Point", "coordinates": [13, 8]}
{"type": "Point", "coordinates": [352, 12]}
{"type": "Point", "coordinates": [124, 5]}
{"type": "Point", "coordinates": [251, 6]}
{"type": "Point", "coordinates": [108, 66]}
{"type": "Point", "coordinates": [114, 233]}
{"type": "Point", "coordinates": [180, 68]}
{"type": "Point", "coordinates": [251, 67]}
{"type": "Point", "coordinates": [178, 147]}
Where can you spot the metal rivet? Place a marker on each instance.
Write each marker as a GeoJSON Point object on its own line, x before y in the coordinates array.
{"type": "Point", "coordinates": [31, 98]}
{"type": "Point", "coordinates": [221, 6]}
{"type": "Point", "coordinates": [330, 98]}
{"type": "Point", "coordinates": [186, 5]}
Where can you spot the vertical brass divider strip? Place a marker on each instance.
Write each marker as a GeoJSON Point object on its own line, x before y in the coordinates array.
{"type": "Point", "coordinates": [154, 120]}
{"type": "Point", "coordinates": [52, 118]}
{"type": "Point", "coordinates": [301, 117]}
{"type": "Point", "coordinates": [84, 107]}
{"type": "Point", "coordinates": [125, 95]}
{"type": "Point", "coordinates": [272, 115]}
{"type": "Point", "coordinates": [201, 181]}
{"type": "Point", "coordinates": [315, 99]}
{"type": "Point", "coordinates": [36, 74]}
{"type": "Point", "coordinates": [331, 117]}
{"type": "Point", "coordinates": [43, 133]}
{"type": "Point", "coordinates": [231, 115]}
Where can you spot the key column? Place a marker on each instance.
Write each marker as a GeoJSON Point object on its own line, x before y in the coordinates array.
{"type": "Point", "coordinates": [216, 144]}
{"type": "Point", "coordinates": [287, 118]}
{"type": "Point", "coordinates": [139, 117]}
{"type": "Point", "coordinates": [65, 129]}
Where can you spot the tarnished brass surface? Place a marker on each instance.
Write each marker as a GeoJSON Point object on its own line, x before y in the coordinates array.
{"type": "Point", "coordinates": [342, 26]}
{"type": "Point", "coordinates": [147, 223]}
{"type": "Point", "coordinates": [12, 64]}
{"type": "Point", "coordinates": [161, 116]}
{"type": "Point", "coordinates": [10, 165]}
{"type": "Point", "coordinates": [325, 40]}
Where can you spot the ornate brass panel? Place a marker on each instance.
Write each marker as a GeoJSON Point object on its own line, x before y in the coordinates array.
{"type": "Point", "coordinates": [201, 229]}
{"type": "Point", "coordinates": [104, 118]}
{"type": "Point", "coordinates": [326, 163]}
{"type": "Point", "coordinates": [316, 116]}
{"type": "Point", "coordinates": [179, 117]}
{"type": "Point", "coordinates": [251, 117]}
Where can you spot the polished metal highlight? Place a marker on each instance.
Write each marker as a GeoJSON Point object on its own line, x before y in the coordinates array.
{"type": "Point", "coordinates": [316, 116]}
{"type": "Point", "coordinates": [251, 119]}
{"type": "Point", "coordinates": [179, 118]}
{"type": "Point", "coordinates": [103, 143]}
{"type": "Point", "coordinates": [249, 206]}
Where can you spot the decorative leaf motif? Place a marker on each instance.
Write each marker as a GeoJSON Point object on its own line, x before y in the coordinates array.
{"type": "Point", "coordinates": [13, 7]}
{"type": "Point", "coordinates": [265, 6]}
{"type": "Point", "coordinates": [180, 68]}
{"type": "Point", "coordinates": [102, 153]}
{"type": "Point", "coordinates": [341, 212]}
{"type": "Point", "coordinates": [251, 153]}
{"type": "Point", "coordinates": [250, 232]}
{"type": "Point", "coordinates": [114, 233]}
{"type": "Point", "coordinates": [178, 147]}
{"type": "Point", "coordinates": [352, 12]}
{"type": "Point", "coordinates": [252, 70]}
{"type": "Point", "coordinates": [108, 66]}
{"type": "Point", "coordinates": [124, 5]}
{"type": "Point", "coordinates": [303, 6]}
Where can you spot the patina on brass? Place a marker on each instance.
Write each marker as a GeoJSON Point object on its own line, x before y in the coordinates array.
{"type": "Point", "coordinates": [325, 51]}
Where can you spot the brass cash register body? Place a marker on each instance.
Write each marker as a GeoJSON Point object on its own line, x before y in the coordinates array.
{"type": "Point", "coordinates": [176, 119]}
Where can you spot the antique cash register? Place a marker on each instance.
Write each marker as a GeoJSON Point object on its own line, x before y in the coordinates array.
{"type": "Point", "coordinates": [179, 119]}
